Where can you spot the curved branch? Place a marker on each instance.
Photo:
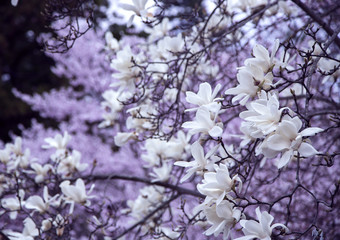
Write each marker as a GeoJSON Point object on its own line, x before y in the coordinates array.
{"type": "Point", "coordinates": [178, 189]}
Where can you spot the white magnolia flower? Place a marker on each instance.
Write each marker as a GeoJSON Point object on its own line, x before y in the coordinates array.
{"type": "Point", "coordinates": [222, 217]}
{"type": "Point", "coordinates": [181, 145]}
{"type": "Point", "coordinates": [168, 46]}
{"type": "Point", "coordinates": [14, 3]}
{"type": "Point", "coordinates": [111, 101]}
{"type": "Point", "coordinates": [264, 113]}
{"type": "Point", "coordinates": [111, 42]}
{"type": "Point", "coordinates": [76, 193]}
{"type": "Point", "coordinates": [158, 150]}
{"type": "Point", "coordinates": [159, 30]}
{"type": "Point", "coordinates": [245, 5]}
{"type": "Point", "coordinates": [126, 73]}
{"type": "Point", "coordinates": [216, 185]}
{"type": "Point", "coordinates": [246, 88]}
{"type": "Point", "coordinates": [288, 140]}
{"type": "Point", "coordinates": [59, 142]}
{"type": "Point", "coordinates": [122, 138]}
{"type": "Point", "coordinates": [29, 232]}
{"type": "Point", "coordinates": [168, 233]}
{"type": "Point", "coordinates": [41, 171]}
{"type": "Point", "coordinates": [16, 148]}
{"type": "Point", "coordinates": [329, 66]}
{"type": "Point", "coordinates": [261, 229]}
{"type": "Point", "coordinates": [138, 7]}
{"type": "Point", "coordinates": [204, 124]}
{"type": "Point", "coordinates": [161, 174]}
{"type": "Point", "coordinates": [250, 133]}
{"type": "Point", "coordinates": [71, 164]}
{"type": "Point", "coordinates": [262, 59]}
{"type": "Point", "coordinates": [148, 199]}
{"type": "Point", "coordinates": [5, 155]}
{"type": "Point", "coordinates": [200, 162]}
{"type": "Point", "coordinates": [14, 204]}
{"type": "Point", "coordinates": [204, 98]}
{"type": "Point", "coordinates": [261, 79]}
{"type": "Point", "coordinates": [39, 204]}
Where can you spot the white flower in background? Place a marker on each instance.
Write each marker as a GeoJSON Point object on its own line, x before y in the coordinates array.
{"type": "Point", "coordinates": [222, 217]}
{"type": "Point", "coordinates": [250, 133]}
{"type": "Point", "coordinates": [200, 161]}
{"type": "Point", "coordinates": [76, 193]}
{"type": "Point", "coordinates": [246, 88]}
{"type": "Point", "coordinates": [168, 46]}
{"type": "Point", "coordinates": [181, 145]}
{"type": "Point", "coordinates": [330, 66]}
{"type": "Point", "coordinates": [262, 59]}
{"type": "Point", "coordinates": [111, 42]}
{"type": "Point", "coordinates": [138, 7]}
{"type": "Point", "coordinates": [5, 155]}
{"type": "Point", "coordinates": [39, 204]}
{"type": "Point", "coordinates": [288, 140]}
{"type": "Point", "coordinates": [159, 30]}
{"type": "Point", "coordinates": [207, 67]}
{"type": "Point", "coordinates": [158, 150]}
{"type": "Point", "coordinates": [59, 142]}
{"type": "Point", "coordinates": [122, 138]}
{"type": "Point", "coordinates": [168, 233]}
{"type": "Point", "coordinates": [14, 3]}
{"type": "Point", "coordinates": [245, 5]}
{"type": "Point", "coordinates": [264, 113]}
{"type": "Point", "coordinates": [14, 204]}
{"type": "Point", "coordinates": [126, 73]}
{"type": "Point", "coordinates": [216, 22]}
{"type": "Point", "coordinates": [296, 88]}
{"type": "Point", "coordinates": [288, 9]}
{"type": "Point", "coordinates": [149, 198]}
{"type": "Point", "coordinates": [204, 123]}
{"type": "Point", "coordinates": [260, 230]}
{"type": "Point", "coordinates": [161, 174]}
{"type": "Point", "coordinates": [71, 164]}
{"type": "Point", "coordinates": [216, 185]}
{"type": "Point", "coordinates": [158, 71]}
{"type": "Point", "coordinates": [41, 171]}
{"type": "Point", "coordinates": [16, 148]}
{"type": "Point", "coordinates": [22, 161]}
{"type": "Point", "coordinates": [109, 119]}
{"type": "Point", "coordinates": [204, 98]}
{"type": "Point", "coordinates": [29, 232]}
{"type": "Point", "coordinates": [111, 101]}
{"type": "Point", "coordinates": [139, 119]}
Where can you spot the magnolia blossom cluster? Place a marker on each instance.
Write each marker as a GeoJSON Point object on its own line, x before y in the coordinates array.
{"type": "Point", "coordinates": [279, 133]}
{"type": "Point", "coordinates": [264, 119]}
{"type": "Point", "coordinates": [198, 142]}
{"type": "Point", "coordinates": [19, 169]}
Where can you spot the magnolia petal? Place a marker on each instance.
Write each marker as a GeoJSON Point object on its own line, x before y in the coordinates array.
{"type": "Point", "coordinates": [216, 131]}
{"type": "Point", "coordinates": [311, 131]}
{"type": "Point", "coordinates": [307, 150]}
{"type": "Point", "coordinates": [278, 143]}
{"type": "Point", "coordinates": [284, 160]}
